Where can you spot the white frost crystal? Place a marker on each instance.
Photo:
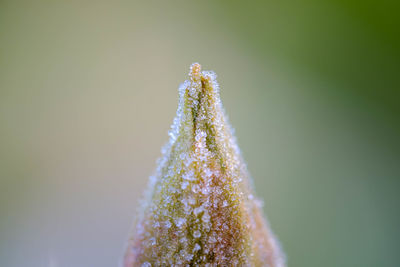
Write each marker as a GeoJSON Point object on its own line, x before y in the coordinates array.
{"type": "Point", "coordinates": [200, 209]}
{"type": "Point", "coordinates": [196, 234]}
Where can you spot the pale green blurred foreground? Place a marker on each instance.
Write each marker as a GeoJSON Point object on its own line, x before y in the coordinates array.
{"type": "Point", "coordinates": [88, 91]}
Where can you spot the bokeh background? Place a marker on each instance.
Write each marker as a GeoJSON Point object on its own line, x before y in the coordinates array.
{"type": "Point", "coordinates": [88, 90]}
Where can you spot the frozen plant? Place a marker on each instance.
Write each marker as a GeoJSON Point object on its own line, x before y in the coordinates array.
{"type": "Point", "coordinates": [200, 208]}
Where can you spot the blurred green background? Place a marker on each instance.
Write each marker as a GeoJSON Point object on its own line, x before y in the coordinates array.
{"type": "Point", "coordinates": [88, 90]}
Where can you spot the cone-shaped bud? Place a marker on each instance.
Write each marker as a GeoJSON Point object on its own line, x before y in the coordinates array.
{"type": "Point", "coordinates": [200, 209]}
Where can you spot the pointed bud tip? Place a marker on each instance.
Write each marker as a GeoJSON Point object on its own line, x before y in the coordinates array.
{"type": "Point", "coordinates": [200, 209]}
{"type": "Point", "coordinates": [195, 71]}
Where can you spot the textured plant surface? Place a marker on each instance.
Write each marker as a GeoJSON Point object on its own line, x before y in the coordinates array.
{"type": "Point", "coordinates": [200, 208]}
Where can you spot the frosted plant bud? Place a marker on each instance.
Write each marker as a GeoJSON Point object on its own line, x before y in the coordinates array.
{"type": "Point", "coordinates": [200, 208]}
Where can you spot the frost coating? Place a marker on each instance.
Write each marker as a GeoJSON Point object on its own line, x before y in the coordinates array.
{"type": "Point", "coordinates": [200, 208]}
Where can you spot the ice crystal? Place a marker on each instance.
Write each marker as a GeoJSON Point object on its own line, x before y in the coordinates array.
{"type": "Point", "coordinates": [200, 208]}
{"type": "Point", "coordinates": [196, 234]}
